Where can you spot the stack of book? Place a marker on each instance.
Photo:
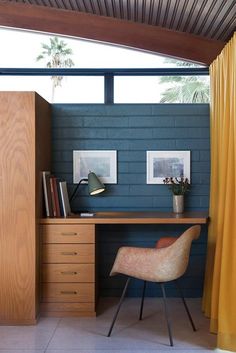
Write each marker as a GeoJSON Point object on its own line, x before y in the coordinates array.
{"type": "Point", "coordinates": [55, 195]}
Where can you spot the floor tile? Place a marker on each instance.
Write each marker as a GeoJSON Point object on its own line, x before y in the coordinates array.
{"type": "Point", "coordinates": [22, 351]}
{"type": "Point", "coordinates": [88, 335]}
{"type": "Point", "coordinates": [130, 334]}
{"type": "Point", "coordinates": [130, 351]}
{"type": "Point", "coordinates": [28, 337]}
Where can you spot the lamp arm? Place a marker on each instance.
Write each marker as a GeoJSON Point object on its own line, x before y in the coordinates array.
{"type": "Point", "coordinates": [76, 189]}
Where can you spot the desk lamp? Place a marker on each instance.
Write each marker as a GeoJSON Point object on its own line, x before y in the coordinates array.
{"type": "Point", "coordinates": [95, 186]}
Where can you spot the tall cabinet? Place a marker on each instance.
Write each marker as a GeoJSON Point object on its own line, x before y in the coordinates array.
{"type": "Point", "coordinates": [24, 153]}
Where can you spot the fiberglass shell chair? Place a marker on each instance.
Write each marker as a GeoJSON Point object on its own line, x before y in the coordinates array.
{"type": "Point", "coordinates": [163, 243]}
{"type": "Point", "coordinates": [160, 264]}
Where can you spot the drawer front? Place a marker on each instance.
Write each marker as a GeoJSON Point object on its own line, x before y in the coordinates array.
{"type": "Point", "coordinates": [68, 233]}
{"type": "Point", "coordinates": [69, 307]}
{"type": "Point", "coordinates": [68, 292]}
{"type": "Point", "coordinates": [68, 253]}
{"type": "Point", "coordinates": [68, 273]}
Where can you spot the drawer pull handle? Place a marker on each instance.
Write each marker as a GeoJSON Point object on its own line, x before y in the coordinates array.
{"type": "Point", "coordinates": [68, 292]}
{"type": "Point", "coordinates": [69, 273]}
{"type": "Point", "coordinates": [68, 233]}
{"type": "Point", "coordinates": [73, 253]}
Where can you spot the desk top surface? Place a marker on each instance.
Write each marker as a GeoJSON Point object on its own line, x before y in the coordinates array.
{"type": "Point", "coordinates": [144, 217]}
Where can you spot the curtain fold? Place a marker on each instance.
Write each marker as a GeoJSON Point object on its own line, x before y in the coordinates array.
{"type": "Point", "coordinates": [219, 298]}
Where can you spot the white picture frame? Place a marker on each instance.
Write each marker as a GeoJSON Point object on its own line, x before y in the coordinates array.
{"type": "Point", "coordinates": [162, 164]}
{"type": "Point", "coordinates": [102, 163]}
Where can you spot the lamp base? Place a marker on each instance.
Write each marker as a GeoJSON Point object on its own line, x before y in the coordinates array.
{"type": "Point", "coordinates": [87, 214]}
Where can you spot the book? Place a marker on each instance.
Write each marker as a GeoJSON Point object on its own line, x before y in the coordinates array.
{"type": "Point", "coordinates": [47, 193]}
{"type": "Point", "coordinates": [65, 198]}
{"type": "Point", "coordinates": [54, 211]}
{"type": "Point", "coordinates": [56, 196]}
{"type": "Point", "coordinates": [59, 195]}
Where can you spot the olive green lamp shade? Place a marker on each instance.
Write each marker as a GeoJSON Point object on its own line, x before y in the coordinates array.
{"type": "Point", "coordinates": [95, 186]}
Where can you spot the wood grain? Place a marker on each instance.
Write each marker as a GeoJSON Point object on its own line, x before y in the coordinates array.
{"type": "Point", "coordinates": [76, 307]}
{"type": "Point", "coordinates": [136, 35]}
{"type": "Point", "coordinates": [68, 270]}
{"type": "Point", "coordinates": [145, 217]}
{"type": "Point", "coordinates": [66, 233]}
{"type": "Point", "coordinates": [68, 253]}
{"type": "Point", "coordinates": [68, 273]}
{"type": "Point", "coordinates": [17, 215]}
{"type": "Point", "coordinates": [19, 227]}
{"type": "Point", "coordinates": [42, 163]}
{"type": "Point", "coordinates": [43, 148]}
{"type": "Point", "coordinates": [68, 292]}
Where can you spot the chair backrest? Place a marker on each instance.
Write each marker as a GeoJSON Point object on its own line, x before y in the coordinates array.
{"type": "Point", "coordinates": [175, 258]}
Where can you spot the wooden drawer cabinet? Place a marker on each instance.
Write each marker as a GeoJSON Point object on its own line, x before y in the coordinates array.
{"type": "Point", "coordinates": [67, 269]}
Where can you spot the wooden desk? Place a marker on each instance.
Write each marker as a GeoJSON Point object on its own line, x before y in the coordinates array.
{"type": "Point", "coordinates": [68, 284]}
{"type": "Point", "coordinates": [194, 217]}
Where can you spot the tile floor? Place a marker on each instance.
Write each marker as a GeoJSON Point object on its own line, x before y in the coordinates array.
{"type": "Point", "coordinates": [88, 335]}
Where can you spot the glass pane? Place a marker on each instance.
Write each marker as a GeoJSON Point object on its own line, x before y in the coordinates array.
{"type": "Point", "coordinates": [165, 89]}
{"type": "Point", "coordinates": [136, 89]}
{"type": "Point", "coordinates": [72, 89]}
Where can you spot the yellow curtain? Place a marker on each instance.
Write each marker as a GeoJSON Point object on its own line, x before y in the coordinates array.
{"type": "Point", "coordinates": [219, 299]}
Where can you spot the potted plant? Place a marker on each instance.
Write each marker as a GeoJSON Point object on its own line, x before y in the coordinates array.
{"type": "Point", "coordinates": [178, 186]}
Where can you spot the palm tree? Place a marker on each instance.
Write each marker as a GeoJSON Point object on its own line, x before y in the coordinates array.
{"type": "Point", "coordinates": [185, 89]}
{"type": "Point", "coordinates": [58, 55]}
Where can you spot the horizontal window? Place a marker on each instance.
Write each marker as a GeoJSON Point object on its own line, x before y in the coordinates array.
{"type": "Point", "coordinates": [68, 89]}
{"type": "Point", "coordinates": [164, 89]}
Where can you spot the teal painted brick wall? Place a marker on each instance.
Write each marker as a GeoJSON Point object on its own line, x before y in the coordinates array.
{"type": "Point", "coordinates": [132, 129]}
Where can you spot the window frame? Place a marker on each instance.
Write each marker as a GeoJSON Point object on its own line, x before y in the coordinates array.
{"type": "Point", "coordinates": [108, 74]}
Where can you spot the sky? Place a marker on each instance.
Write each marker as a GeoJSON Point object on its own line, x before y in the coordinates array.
{"type": "Point", "coordinates": [86, 54]}
{"type": "Point", "coordinates": [19, 49]}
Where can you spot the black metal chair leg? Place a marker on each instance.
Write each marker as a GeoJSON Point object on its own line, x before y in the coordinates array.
{"type": "Point", "coordinates": [166, 313]}
{"type": "Point", "coordinates": [142, 300]}
{"type": "Point", "coordinates": [118, 307]}
{"type": "Point", "coordinates": [185, 305]}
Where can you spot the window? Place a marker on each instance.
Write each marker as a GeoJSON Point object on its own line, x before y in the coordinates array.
{"type": "Point", "coordinates": [79, 89]}
{"type": "Point", "coordinates": [35, 51]}
{"type": "Point", "coordinates": [161, 89]}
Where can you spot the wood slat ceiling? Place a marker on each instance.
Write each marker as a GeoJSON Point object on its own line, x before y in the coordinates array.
{"type": "Point", "coordinates": [212, 19]}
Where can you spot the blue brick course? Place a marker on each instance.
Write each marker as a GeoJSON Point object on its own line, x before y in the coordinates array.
{"type": "Point", "coordinates": [132, 129]}
{"type": "Point", "coordinates": [151, 121]}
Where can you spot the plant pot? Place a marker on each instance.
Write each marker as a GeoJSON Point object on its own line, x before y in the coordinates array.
{"type": "Point", "coordinates": [178, 203]}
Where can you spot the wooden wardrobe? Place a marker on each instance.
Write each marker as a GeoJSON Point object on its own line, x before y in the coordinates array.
{"type": "Point", "coordinates": [25, 136]}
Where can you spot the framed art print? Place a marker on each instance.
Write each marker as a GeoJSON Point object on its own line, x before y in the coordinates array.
{"type": "Point", "coordinates": [163, 164]}
{"type": "Point", "coordinates": [102, 163]}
